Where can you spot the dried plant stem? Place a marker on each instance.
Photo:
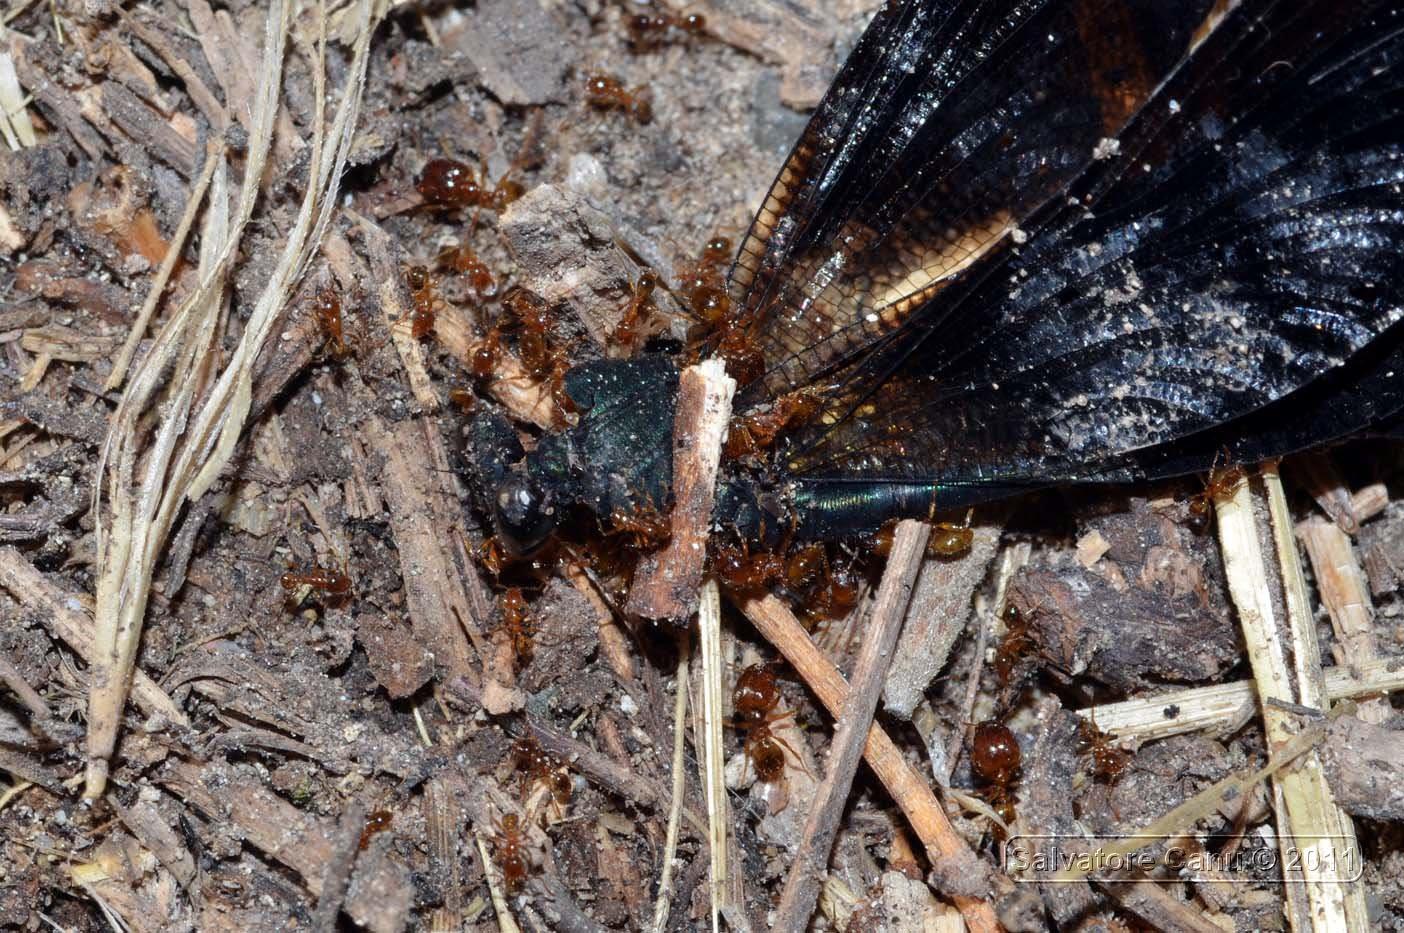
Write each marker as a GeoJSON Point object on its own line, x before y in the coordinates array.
{"type": "Point", "coordinates": [665, 585]}
{"type": "Point", "coordinates": [1280, 635]}
{"type": "Point", "coordinates": [336, 878]}
{"type": "Point", "coordinates": [1204, 708]}
{"type": "Point", "coordinates": [670, 843]}
{"type": "Point", "coordinates": [713, 754]}
{"type": "Point", "coordinates": [72, 625]}
{"type": "Point", "coordinates": [909, 789]}
{"type": "Point", "coordinates": [505, 923]}
{"type": "Point", "coordinates": [214, 155]}
{"type": "Point", "coordinates": [855, 718]}
{"type": "Point", "coordinates": [199, 422]}
{"type": "Point", "coordinates": [11, 677]}
{"type": "Point", "coordinates": [15, 124]}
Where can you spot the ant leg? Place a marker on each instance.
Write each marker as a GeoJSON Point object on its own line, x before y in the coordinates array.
{"type": "Point", "coordinates": [794, 754]}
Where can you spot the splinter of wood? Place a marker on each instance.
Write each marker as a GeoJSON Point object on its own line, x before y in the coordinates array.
{"type": "Point", "coordinates": [665, 586]}
{"type": "Point", "coordinates": [943, 845]}
{"type": "Point", "coordinates": [854, 719]}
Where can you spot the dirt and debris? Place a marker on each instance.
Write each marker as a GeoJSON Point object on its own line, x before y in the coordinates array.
{"type": "Point", "coordinates": [1157, 577]}
{"type": "Point", "coordinates": [293, 752]}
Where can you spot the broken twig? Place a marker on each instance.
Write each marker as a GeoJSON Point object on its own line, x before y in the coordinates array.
{"type": "Point", "coordinates": [856, 717]}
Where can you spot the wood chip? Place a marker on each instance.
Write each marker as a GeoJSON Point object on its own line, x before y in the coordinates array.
{"type": "Point", "coordinates": [1341, 584]}
{"type": "Point", "coordinates": [381, 893]}
{"type": "Point", "coordinates": [422, 520]}
{"type": "Point", "coordinates": [666, 583]}
{"type": "Point", "coordinates": [940, 611]}
{"type": "Point", "coordinates": [1365, 765]}
{"type": "Point", "coordinates": [516, 47]}
{"type": "Point", "coordinates": [68, 616]}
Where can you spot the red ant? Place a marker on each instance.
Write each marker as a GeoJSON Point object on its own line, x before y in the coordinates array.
{"type": "Point", "coordinates": [426, 301]}
{"type": "Point", "coordinates": [516, 623]}
{"type": "Point", "coordinates": [626, 333]}
{"type": "Point", "coordinates": [1015, 644]}
{"type": "Point", "coordinates": [1220, 483]}
{"type": "Point", "coordinates": [754, 433]}
{"type": "Point", "coordinates": [464, 261]}
{"type": "Point", "coordinates": [643, 529]}
{"type": "Point", "coordinates": [650, 30]}
{"type": "Point", "coordinates": [606, 92]}
{"type": "Point", "coordinates": [825, 591]}
{"type": "Point", "coordinates": [466, 401]}
{"type": "Point", "coordinates": [543, 362]}
{"type": "Point", "coordinates": [330, 582]}
{"type": "Point", "coordinates": [753, 703]}
{"type": "Point", "coordinates": [375, 823]}
{"type": "Point", "coordinates": [1108, 761]}
{"type": "Point", "coordinates": [326, 306]}
{"type": "Point", "coordinates": [947, 539]}
{"type": "Point", "coordinates": [493, 556]}
{"type": "Point", "coordinates": [508, 846]}
{"type": "Point", "coordinates": [743, 572]}
{"type": "Point", "coordinates": [451, 184]}
{"type": "Point", "coordinates": [538, 765]}
{"type": "Point", "coordinates": [995, 759]}
{"type": "Point", "coordinates": [704, 285]}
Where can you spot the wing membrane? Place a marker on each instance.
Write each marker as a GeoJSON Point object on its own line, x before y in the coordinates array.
{"type": "Point", "coordinates": [950, 124]}
{"type": "Point", "coordinates": [1240, 245]}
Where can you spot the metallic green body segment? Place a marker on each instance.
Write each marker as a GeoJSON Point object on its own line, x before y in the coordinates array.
{"type": "Point", "coordinates": [824, 510]}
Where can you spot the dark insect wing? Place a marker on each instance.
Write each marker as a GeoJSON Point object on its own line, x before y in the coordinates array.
{"type": "Point", "coordinates": [948, 125]}
{"type": "Point", "coordinates": [1235, 247]}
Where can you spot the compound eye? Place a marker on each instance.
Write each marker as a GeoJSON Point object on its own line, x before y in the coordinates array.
{"type": "Point", "coordinates": [525, 514]}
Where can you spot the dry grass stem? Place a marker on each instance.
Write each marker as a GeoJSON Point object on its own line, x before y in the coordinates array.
{"type": "Point", "coordinates": [15, 124]}
{"type": "Point", "coordinates": [1280, 635]}
{"type": "Point", "coordinates": [1181, 818]}
{"type": "Point", "coordinates": [206, 401]}
{"type": "Point", "coordinates": [713, 752]}
{"type": "Point", "coordinates": [854, 720]}
{"type": "Point", "coordinates": [72, 625]}
{"type": "Point", "coordinates": [675, 806]}
{"type": "Point", "coordinates": [1208, 708]}
{"type": "Point", "coordinates": [505, 922]}
{"type": "Point", "coordinates": [214, 158]}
